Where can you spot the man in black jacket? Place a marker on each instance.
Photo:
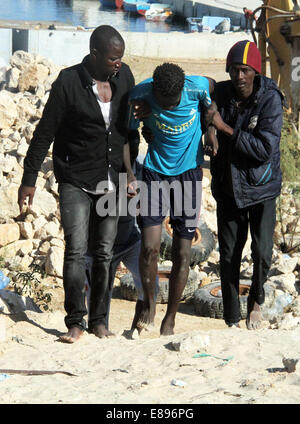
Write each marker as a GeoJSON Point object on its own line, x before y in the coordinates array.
{"type": "Point", "coordinates": [246, 176]}
{"type": "Point", "coordinates": [86, 117]}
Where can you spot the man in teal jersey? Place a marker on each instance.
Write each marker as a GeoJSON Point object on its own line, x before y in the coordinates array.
{"type": "Point", "coordinates": [172, 175]}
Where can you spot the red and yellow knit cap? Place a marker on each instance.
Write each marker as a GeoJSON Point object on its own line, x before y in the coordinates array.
{"type": "Point", "coordinates": [246, 53]}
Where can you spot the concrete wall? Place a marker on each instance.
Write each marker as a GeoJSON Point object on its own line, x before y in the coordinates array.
{"type": "Point", "coordinates": [181, 45]}
{"type": "Point", "coordinates": [62, 47]}
{"type": "Point", "coordinates": [5, 45]}
{"type": "Point", "coordinates": [69, 47]}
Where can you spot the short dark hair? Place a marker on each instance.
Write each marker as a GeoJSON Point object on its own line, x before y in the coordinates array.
{"type": "Point", "coordinates": [168, 79]}
{"type": "Point", "coordinates": [102, 37]}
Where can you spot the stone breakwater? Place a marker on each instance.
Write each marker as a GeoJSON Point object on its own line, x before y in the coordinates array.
{"type": "Point", "coordinates": [36, 234]}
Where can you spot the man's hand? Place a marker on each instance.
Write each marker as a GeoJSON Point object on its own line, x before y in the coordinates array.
{"type": "Point", "coordinates": [147, 134]}
{"type": "Point", "coordinates": [131, 185]}
{"type": "Point", "coordinates": [141, 109]}
{"type": "Point", "coordinates": [211, 144]}
{"type": "Point", "coordinates": [23, 193]}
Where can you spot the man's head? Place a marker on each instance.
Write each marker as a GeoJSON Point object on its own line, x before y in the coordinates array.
{"type": "Point", "coordinates": [243, 63]}
{"type": "Point", "coordinates": [168, 82]}
{"type": "Point", "coordinates": [106, 51]}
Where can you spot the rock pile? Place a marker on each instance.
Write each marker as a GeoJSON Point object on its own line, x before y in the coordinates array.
{"type": "Point", "coordinates": [36, 234]}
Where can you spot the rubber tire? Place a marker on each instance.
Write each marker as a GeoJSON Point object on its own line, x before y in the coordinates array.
{"type": "Point", "coordinates": [128, 291]}
{"type": "Point", "coordinates": [207, 305]}
{"type": "Point", "coordinates": [200, 250]}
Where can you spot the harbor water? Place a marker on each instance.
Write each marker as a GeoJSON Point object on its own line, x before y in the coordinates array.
{"type": "Point", "coordinates": [86, 13]}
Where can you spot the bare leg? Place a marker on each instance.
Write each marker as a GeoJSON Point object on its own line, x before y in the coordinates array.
{"type": "Point", "coordinates": [138, 309]}
{"type": "Point", "coordinates": [73, 334]}
{"type": "Point", "coordinates": [181, 253]}
{"type": "Point", "coordinates": [148, 270]}
{"type": "Point", "coordinates": [101, 331]}
{"type": "Point", "coordinates": [254, 318]}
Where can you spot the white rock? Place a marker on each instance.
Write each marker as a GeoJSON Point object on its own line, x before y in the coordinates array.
{"type": "Point", "coordinates": [190, 343]}
{"type": "Point", "coordinates": [52, 229]}
{"type": "Point", "coordinates": [288, 321]}
{"type": "Point", "coordinates": [29, 218]}
{"type": "Point", "coordinates": [26, 229]}
{"type": "Point", "coordinates": [57, 242]}
{"type": "Point", "coordinates": [205, 182]}
{"type": "Point", "coordinates": [210, 219]}
{"type": "Point", "coordinates": [285, 264]}
{"type": "Point", "coordinates": [15, 137]}
{"type": "Point", "coordinates": [40, 234]}
{"type": "Point", "coordinates": [47, 165]}
{"type": "Point", "coordinates": [32, 76]}
{"type": "Point", "coordinates": [39, 223]}
{"type": "Point", "coordinates": [202, 275]}
{"type": "Point", "coordinates": [11, 250]}
{"type": "Point", "coordinates": [24, 262]}
{"type": "Point", "coordinates": [285, 282]}
{"type": "Point", "coordinates": [9, 202]}
{"type": "Point", "coordinates": [54, 261]}
{"type": "Point", "coordinates": [291, 364]}
{"type": "Point", "coordinates": [28, 131]}
{"type": "Point", "coordinates": [8, 233]}
{"type": "Point", "coordinates": [12, 78]}
{"type": "Point", "coordinates": [51, 184]}
{"type": "Point", "coordinates": [8, 110]}
{"type": "Point", "coordinates": [9, 164]}
{"type": "Point", "coordinates": [44, 248]}
{"type": "Point", "coordinates": [22, 147]}
{"type": "Point", "coordinates": [43, 203]}
{"type": "Point", "coordinates": [21, 59]}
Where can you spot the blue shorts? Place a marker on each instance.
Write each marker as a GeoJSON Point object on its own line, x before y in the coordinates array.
{"type": "Point", "coordinates": [177, 196]}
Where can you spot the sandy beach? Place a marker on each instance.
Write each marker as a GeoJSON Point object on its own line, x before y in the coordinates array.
{"type": "Point", "coordinates": [245, 367]}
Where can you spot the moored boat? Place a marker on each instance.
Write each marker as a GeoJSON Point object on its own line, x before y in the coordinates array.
{"type": "Point", "coordinates": [159, 7]}
{"type": "Point", "coordinates": [132, 5]}
{"type": "Point", "coordinates": [209, 24]}
{"type": "Point", "coordinates": [113, 4]}
{"type": "Point", "coordinates": [158, 12]}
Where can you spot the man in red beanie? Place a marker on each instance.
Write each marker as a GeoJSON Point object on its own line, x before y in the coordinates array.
{"type": "Point", "coordinates": [244, 140]}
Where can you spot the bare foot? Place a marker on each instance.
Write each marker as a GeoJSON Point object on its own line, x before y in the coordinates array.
{"type": "Point", "coordinates": [234, 325]}
{"type": "Point", "coordinates": [101, 331]}
{"type": "Point", "coordinates": [146, 317]}
{"type": "Point", "coordinates": [167, 327]}
{"type": "Point", "coordinates": [253, 320]}
{"type": "Point", "coordinates": [138, 309]}
{"type": "Point", "coordinates": [72, 335]}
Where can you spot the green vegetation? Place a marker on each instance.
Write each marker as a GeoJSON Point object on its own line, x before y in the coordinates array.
{"type": "Point", "coordinates": [28, 284]}
{"type": "Point", "coordinates": [290, 151]}
{"type": "Point", "coordinates": [288, 203]}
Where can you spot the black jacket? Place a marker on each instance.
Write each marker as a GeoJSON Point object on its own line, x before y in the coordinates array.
{"type": "Point", "coordinates": [83, 149]}
{"type": "Point", "coordinates": [251, 157]}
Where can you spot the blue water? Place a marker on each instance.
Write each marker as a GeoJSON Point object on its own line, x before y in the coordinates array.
{"type": "Point", "coordinates": [87, 13]}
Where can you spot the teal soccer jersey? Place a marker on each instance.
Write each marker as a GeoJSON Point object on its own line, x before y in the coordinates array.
{"type": "Point", "coordinates": [177, 146]}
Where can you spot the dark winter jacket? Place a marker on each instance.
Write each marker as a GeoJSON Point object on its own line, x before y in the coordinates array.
{"type": "Point", "coordinates": [251, 157]}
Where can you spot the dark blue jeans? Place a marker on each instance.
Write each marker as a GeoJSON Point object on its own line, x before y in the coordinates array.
{"type": "Point", "coordinates": [78, 212]}
{"type": "Point", "coordinates": [233, 226]}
